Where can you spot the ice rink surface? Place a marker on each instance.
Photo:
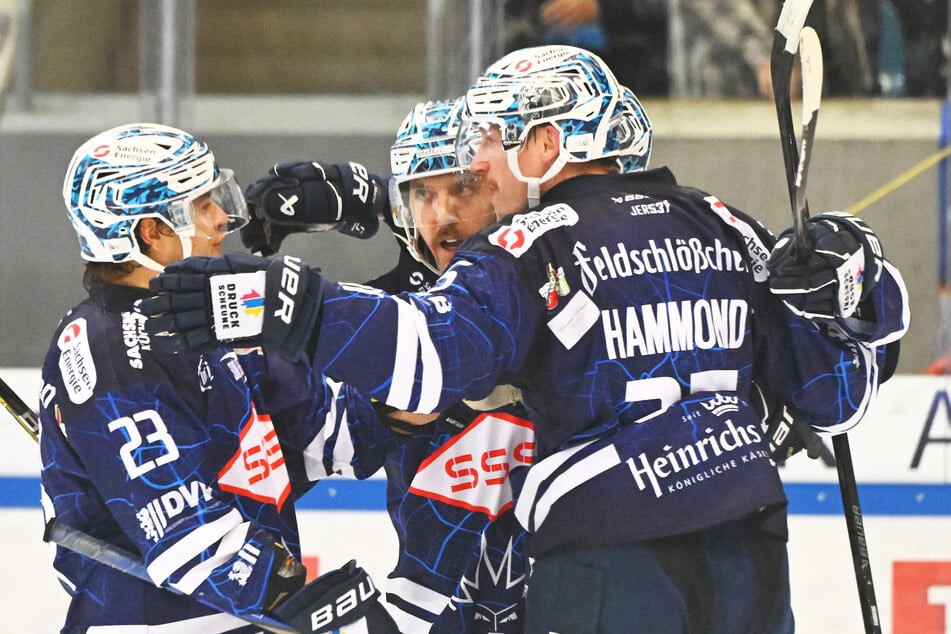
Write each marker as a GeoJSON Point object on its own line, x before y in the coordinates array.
{"type": "Point", "coordinates": [907, 522]}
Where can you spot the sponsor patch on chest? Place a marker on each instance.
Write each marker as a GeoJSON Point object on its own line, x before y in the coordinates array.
{"type": "Point", "coordinates": [519, 235]}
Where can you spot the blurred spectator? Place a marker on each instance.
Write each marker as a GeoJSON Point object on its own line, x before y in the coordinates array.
{"type": "Point", "coordinates": [924, 25]}
{"type": "Point", "coordinates": [850, 36]}
{"type": "Point", "coordinates": [629, 35]}
{"type": "Point", "coordinates": [720, 48]}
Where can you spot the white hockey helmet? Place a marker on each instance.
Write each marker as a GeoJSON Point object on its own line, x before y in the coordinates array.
{"type": "Point", "coordinates": [137, 171]}
{"type": "Point", "coordinates": [565, 86]}
{"type": "Point", "coordinates": [425, 146]}
{"type": "Point", "coordinates": [630, 133]}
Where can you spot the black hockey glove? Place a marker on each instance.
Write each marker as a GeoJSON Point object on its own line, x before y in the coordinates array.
{"type": "Point", "coordinates": [788, 436]}
{"type": "Point", "coordinates": [308, 197]}
{"type": "Point", "coordinates": [237, 300]}
{"type": "Point", "coordinates": [335, 599]}
{"type": "Point", "coordinates": [841, 266]}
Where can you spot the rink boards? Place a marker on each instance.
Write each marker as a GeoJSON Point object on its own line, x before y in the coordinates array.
{"type": "Point", "coordinates": [902, 459]}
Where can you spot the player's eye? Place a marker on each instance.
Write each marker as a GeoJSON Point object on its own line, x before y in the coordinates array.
{"type": "Point", "coordinates": [468, 185]}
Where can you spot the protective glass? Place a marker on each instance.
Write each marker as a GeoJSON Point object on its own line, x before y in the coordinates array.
{"type": "Point", "coordinates": [470, 137]}
{"type": "Point", "coordinates": [447, 198]}
{"type": "Point", "coordinates": [225, 192]}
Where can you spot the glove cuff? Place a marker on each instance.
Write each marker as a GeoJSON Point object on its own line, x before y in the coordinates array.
{"type": "Point", "coordinates": [291, 307]}
{"type": "Point", "coordinates": [333, 600]}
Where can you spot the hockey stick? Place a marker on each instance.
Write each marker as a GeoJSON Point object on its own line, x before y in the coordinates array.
{"type": "Point", "coordinates": [93, 547]}
{"type": "Point", "coordinates": [792, 17]}
{"type": "Point", "coordinates": [796, 170]}
{"type": "Point", "coordinates": [21, 412]}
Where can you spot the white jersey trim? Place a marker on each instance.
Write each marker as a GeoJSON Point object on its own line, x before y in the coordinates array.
{"type": "Point", "coordinates": [191, 545]}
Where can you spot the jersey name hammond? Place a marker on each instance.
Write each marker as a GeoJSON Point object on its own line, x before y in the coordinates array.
{"type": "Point", "coordinates": [674, 326]}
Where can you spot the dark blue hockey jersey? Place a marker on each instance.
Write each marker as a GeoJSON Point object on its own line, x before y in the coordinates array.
{"type": "Point", "coordinates": [635, 315]}
{"type": "Point", "coordinates": [462, 559]}
{"type": "Point", "coordinates": [176, 459]}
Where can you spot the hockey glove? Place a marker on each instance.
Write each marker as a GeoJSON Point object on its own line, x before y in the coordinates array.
{"type": "Point", "coordinates": [237, 300]}
{"type": "Point", "coordinates": [788, 436]}
{"type": "Point", "coordinates": [839, 269]}
{"type": "Point", "coordinates": [335, 599]}
{"type": "Point", "coordinates": [308, 197]}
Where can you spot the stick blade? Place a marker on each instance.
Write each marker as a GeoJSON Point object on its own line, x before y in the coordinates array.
{"type": "Point", "coordinates": [810, 58]}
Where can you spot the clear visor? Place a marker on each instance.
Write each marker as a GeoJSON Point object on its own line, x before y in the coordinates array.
{"type": "Point", "coordinates": [225, 192]}
{"type": "Point", "coordinates": [471, 136]}
{"type": "Point", "coordinates": [431, 201]}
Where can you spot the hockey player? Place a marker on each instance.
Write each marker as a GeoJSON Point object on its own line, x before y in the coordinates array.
{"type": "Point", "coordinates": [461, 565]}
{"type": "Point", "coordinates": [174, 458]}
{"type": "Point", "coordinates": [635, 314]}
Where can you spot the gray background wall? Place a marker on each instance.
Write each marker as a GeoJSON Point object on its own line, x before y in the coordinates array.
{"type": "Point", "coordinates": [728, 148]}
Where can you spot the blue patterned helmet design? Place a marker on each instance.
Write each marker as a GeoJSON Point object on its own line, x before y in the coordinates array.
{"type": "Point", "coordinates": [136, 171]}
{"type": "Point", "coordinates": [565, 86]}
{"type": "Point", "coordinates": [426, 141]}
{"type": "Point", "coordinates": [630, 134]}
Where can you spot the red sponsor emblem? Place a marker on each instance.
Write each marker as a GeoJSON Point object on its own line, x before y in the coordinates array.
{"type": "Point", "coordinates": [257, 469]}
{"type": "Point", "coordinates": [921, 597]}
{"type": "Point", "coordinates": [511, 238]}
{"type": "Point", "coordinates": [471, 470]}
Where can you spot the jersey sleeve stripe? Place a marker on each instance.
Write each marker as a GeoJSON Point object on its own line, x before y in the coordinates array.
{"type": "Point", "coordinates": [432, 367]}
{"type": "Point", "coordinates": [227, 547]}
{"type": "Point", "coordinates": [191, 545]}
{"type": "Point", "coordinates": [404, 362]}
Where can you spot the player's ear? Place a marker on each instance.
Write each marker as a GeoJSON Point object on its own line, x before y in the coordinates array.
{"type": "Point", "coordinates": [550, 138]}
{"type": "Point", "coordinates": [149, 232]}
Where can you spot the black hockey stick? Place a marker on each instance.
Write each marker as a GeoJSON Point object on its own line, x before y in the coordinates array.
{"type": "Point", "coordinates": [21, 412]}
{"type": "Point", "coordinates": [792, 17]}
{"type": "Point", "coordinates": [93, 547]}
{"type": "Point", "coordinates": [796, 170]}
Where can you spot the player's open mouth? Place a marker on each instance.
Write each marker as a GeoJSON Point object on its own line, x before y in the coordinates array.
{"type": "Point", "coordinates": [450, 245]}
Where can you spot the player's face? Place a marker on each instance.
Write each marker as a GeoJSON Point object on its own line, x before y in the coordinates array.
{"type": "Point", "coordinates": [447, 209]}
{"type": "Point", "coordinates": [509, 193]}
{"type": "Point", "coordinates": [210, 223]}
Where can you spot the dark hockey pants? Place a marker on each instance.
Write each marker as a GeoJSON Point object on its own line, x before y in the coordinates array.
{"type": "Point", "coordinates": [732, 578]}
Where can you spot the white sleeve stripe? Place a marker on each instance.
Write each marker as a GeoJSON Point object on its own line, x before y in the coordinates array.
{"type": "Point", "coordinates": [870, 394]}
{"type": "Point", "coordinates": [314, 452]}
{"type": "Point", "coordinates": [417, 594]}
{"type": "Point", "coordinates": [404, 362]}
{"type": "Point", "coordinates": [210, 623]}
{"type": "Point", "coordinates": [407, 623]}
{"type": "Point", "coordinates": [574, 476]}
{"type": "Point", "coordinates": [227, 547]}
{"type": "Point", "coordinates": [343, 449]}
{"type": "Point", "coordinates": [432, 367]}
{"type": "Point", "coordinates": [538, 474]}
{"type": "Point", "coordinates": [191, 545]}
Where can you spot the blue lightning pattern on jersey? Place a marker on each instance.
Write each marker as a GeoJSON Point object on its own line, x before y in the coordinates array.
{"type": "Point", "coordinates": [176, 459]}
{"type": "Point", "coordinates": [618, 297]}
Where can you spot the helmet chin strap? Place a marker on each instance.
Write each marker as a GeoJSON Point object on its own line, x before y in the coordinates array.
{"type": "Point", "coordinates": [147, 262]}
{"type": "Point", "coordinates": [184, 237]}
{"type": "Point", "coordinates": [534, 182]}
